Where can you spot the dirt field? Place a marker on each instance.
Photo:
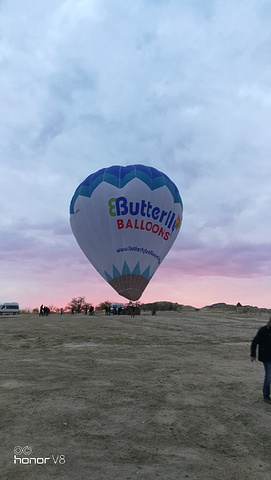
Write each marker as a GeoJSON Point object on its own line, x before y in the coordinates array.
{"type": "Point", "coordinates": [169, 397]}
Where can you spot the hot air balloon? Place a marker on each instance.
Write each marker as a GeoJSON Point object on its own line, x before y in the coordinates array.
{"type": "Point", "coordinates": [125, 220]}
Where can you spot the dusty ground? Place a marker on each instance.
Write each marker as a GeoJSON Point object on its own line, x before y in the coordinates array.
{"type": "Point", "coordinates": [169, 397]}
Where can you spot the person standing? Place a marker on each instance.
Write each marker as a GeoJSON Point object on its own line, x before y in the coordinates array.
{"type": "Point", "coordinates": [263, 340]}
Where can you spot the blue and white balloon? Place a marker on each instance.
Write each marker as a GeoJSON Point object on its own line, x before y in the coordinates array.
{"type": "Point", "coordinates": [126, 219]}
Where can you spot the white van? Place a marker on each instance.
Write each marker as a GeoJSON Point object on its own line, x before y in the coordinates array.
{"type": "Point", "coordinates": [116, 308]}
{"type": "Point", "coordinates": [9, 308]}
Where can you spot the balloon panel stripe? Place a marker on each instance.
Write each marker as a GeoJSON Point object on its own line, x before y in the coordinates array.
{"type": "Point", "coordinates": [120, 176]}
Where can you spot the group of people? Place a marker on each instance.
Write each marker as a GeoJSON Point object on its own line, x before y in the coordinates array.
{"type": "Point", "coordinates": [118, 310]}
{"type": "Point", "coordinates": [44, 311]}
{"type": "Point", "coordinates": [87, 310]}
{"type": "Point", "coordinates": [113, 310]}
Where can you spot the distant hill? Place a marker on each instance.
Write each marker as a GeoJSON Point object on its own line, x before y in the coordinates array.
{"type": "Point", "coordinates": [237, 308]}
{"type": "Point", "coordinates": [176, 307]}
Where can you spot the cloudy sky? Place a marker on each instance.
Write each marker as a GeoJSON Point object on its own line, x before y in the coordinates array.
{"type": "Point", "coordinates": [181, 85]}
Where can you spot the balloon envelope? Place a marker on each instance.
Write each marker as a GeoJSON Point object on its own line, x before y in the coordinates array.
{"type": "Point", "coordinates": [125, 219]}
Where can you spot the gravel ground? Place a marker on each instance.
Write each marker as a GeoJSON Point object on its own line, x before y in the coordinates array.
{"type": "Point", "coordinates": [169, 397]}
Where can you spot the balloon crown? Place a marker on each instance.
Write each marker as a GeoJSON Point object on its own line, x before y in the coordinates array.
{"type": "Point", "coordinates": [119, 176]}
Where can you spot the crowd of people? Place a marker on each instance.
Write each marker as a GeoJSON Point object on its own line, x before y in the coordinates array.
{"type": "Point", "coordinates": [131, 310]}
{"type": "Point", "coordinates": [44, 311]}
{"type": "Point", "coordinates": [88, 310]}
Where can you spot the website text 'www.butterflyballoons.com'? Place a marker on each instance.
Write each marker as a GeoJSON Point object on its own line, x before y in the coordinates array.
{"type": "Point", "coordinates": [140, 250]}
